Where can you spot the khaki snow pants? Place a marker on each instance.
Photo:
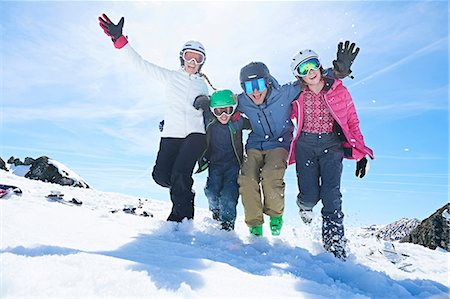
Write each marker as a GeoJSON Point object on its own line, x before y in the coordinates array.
{"type": "Point", "coordinates": [263, 170]}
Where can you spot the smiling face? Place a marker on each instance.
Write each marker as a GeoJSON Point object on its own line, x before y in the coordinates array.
{"type": "Point", "coordinates": [224, 118]}
{"type": "Point", "coordinates": [314, 80]}
{"type": "Point", "coordinates": [313, 77]}
{"type": "Point", "coordinates": [257, 96]}
{"type": "Point", "coordinates": [191, 67]}
{"type": "Point", "coordinates": [192, 61]}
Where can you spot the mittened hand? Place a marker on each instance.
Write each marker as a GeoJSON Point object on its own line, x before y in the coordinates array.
{"type": "Point", "coordinates": [345, 56]}
{"type": "Point", "coordinates": [201, 102]}
{"type": "Point", "coordinates": [361, 168]}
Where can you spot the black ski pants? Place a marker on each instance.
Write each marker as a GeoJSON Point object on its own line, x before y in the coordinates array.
{"type": "Point", "coordinates": [174, 168]}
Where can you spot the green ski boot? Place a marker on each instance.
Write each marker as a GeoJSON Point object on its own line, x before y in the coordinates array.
{"type": "Point", "coordinates": [257, 230]}
{"type": "Point", "coordinates": [276, 223]}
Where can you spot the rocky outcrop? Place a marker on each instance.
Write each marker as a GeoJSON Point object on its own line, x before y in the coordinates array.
{"type": "Point", "coordinates": [398, 229]}
{"type": "Point", "coordinates": [434, 231]}
{"type": "Point", "coordinates": [43, 169]}
{"type": "Point", "coordinates": [3, 165]}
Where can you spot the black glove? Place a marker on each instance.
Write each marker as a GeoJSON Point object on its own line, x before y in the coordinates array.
{"type": "Point", "coordinates": [202, 102]}
{"type": "Point", "coordinates": [361, 168]}
{"type": "Point", "coordinates": [345, 56]}
{"type": "Point", "coordinates": [114, 31]}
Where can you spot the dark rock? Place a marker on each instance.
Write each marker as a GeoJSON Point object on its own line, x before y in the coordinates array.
{"type": "Point", "coordinates": [29, 161]}
{"type": "Point", "coordinates": [3, 164]}
{"type": "Point", "coordinates": [44, 171]}
{"type": "Point", "coordinates": [14, 161]}
{"type": "Point", "coordinates": [434, 231]}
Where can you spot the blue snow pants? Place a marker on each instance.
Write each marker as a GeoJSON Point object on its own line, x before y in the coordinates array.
{"type": "Point", "coordinates": [222, 191]}
{"type": "Point", "coordinates": [319, 167]}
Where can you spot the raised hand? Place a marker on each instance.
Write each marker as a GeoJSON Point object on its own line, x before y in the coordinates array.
{"type": "Point", "coordinates": [112, 30]}
{"type": "Point", "coordinates": [345, 56]}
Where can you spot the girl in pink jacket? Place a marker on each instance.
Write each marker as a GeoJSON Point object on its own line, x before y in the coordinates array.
{"type": "Point", "coordinates": [327, 130]}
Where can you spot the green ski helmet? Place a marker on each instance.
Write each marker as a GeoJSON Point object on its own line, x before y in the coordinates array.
{"type": "Point", "coordinates": [222, 98]}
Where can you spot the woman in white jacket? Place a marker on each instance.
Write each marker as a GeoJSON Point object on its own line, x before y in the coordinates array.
{"type": "Point", "coordinates": [183, 138]}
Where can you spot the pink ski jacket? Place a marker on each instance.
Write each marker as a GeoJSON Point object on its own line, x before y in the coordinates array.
{"type": "Point", "coordinates": [341, 106]}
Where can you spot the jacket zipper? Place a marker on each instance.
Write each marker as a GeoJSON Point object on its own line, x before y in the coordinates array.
{"type": "Point", "coordinates": [333, 114]}
{"type": "Point", "coordinates": [267, 121]}
{"type": "Point", "coordinates": [233, 145]}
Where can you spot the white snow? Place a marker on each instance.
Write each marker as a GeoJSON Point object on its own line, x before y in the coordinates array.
{"type": "Point", "coordinates": [20, 170]}
{"type": "Point", "coordinates": [446, 215]}
{"type": "Point", "coordinates": [49, 249]}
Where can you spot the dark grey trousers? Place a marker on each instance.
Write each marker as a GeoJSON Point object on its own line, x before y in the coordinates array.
{"type": "Point", "coordinates": [319, 168]}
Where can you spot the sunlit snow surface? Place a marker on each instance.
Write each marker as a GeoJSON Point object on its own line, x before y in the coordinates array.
{"type": "Point", "coordinates": [49, 249]}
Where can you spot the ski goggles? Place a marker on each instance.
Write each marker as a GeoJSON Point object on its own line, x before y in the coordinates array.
{"type": "Point", "coordinates": [258, 84]}
{"type": "Point", "coordinates": [229, 110]}
{"type": "Point", "coordinates": [311, 64]}
{"type": "Point", "coordinates": [191, 55]}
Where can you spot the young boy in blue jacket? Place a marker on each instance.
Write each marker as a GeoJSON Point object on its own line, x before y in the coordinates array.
{"type": "Point", "coordinates": [223, 155]}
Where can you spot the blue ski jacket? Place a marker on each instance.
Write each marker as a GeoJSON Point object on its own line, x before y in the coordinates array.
{"type": "Point", "coordinates": [270, 121]}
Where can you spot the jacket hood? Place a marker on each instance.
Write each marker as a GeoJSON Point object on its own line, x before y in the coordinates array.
{"type": "Point", "coordinates": [273, 82]}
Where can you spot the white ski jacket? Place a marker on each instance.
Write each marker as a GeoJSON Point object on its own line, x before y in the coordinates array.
{"type": "Point", "coordinates": [180, 117]}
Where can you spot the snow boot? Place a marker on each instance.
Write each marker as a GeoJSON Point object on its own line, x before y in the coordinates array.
{"type": "Point", "coordinates": [257, 230]}
{"type": "Point", "coordinates": [306, 216]}
{"type": "Point", "coordinates": [333, 238]}
{"type": "Point", "coordinates": [216, 214]}
{"type": "Point", "coordinates": [276, 223]}
{"type": "Point", "coordinates": [336, 246]}
{"type": "Point", "coordinates": [227, 226]}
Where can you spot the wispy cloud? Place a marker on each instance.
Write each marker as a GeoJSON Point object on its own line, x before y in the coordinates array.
{"type": "Point", "coordinates": [82, 112]}
{"type": "Point", "coordinates": [436, 45]}
{"type": "Point", "coordinates": [403, 107]}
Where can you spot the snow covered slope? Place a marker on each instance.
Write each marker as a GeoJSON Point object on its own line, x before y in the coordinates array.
{"type": "Point", "coordinates": [51, 249]}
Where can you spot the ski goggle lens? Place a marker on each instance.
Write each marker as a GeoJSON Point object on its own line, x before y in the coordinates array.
{"type": "Point", "coordinates": [219, 111]}
{"type": "Point", "coordinates": [258, 84]}
{"type": "Point", "coordinates": [310, 64]}
{"type": "Point", "coordinates": [189, 55]}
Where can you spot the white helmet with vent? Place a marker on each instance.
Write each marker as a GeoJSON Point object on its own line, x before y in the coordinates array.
{"type": "Point", "coordinates": [300, 57]}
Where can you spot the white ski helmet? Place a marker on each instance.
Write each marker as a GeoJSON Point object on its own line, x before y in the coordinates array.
{"type": "Point", "coordinates": [195, 46]}
{"type": "Point", "coordinates": [300, 57]}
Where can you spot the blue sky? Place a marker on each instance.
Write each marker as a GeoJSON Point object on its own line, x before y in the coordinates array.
{"type": "Point", "coordinates": [67, 93]}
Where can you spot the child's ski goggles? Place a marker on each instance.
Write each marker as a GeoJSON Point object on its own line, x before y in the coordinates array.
{"type": "Point", "coordinates": [258, 84]}
{"type": "Point", "coordinates": [229, 110]}
{"type": "Point", "coordinates": [191, 55]}
{"type": "Point", "coordinates": [304, 67]}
